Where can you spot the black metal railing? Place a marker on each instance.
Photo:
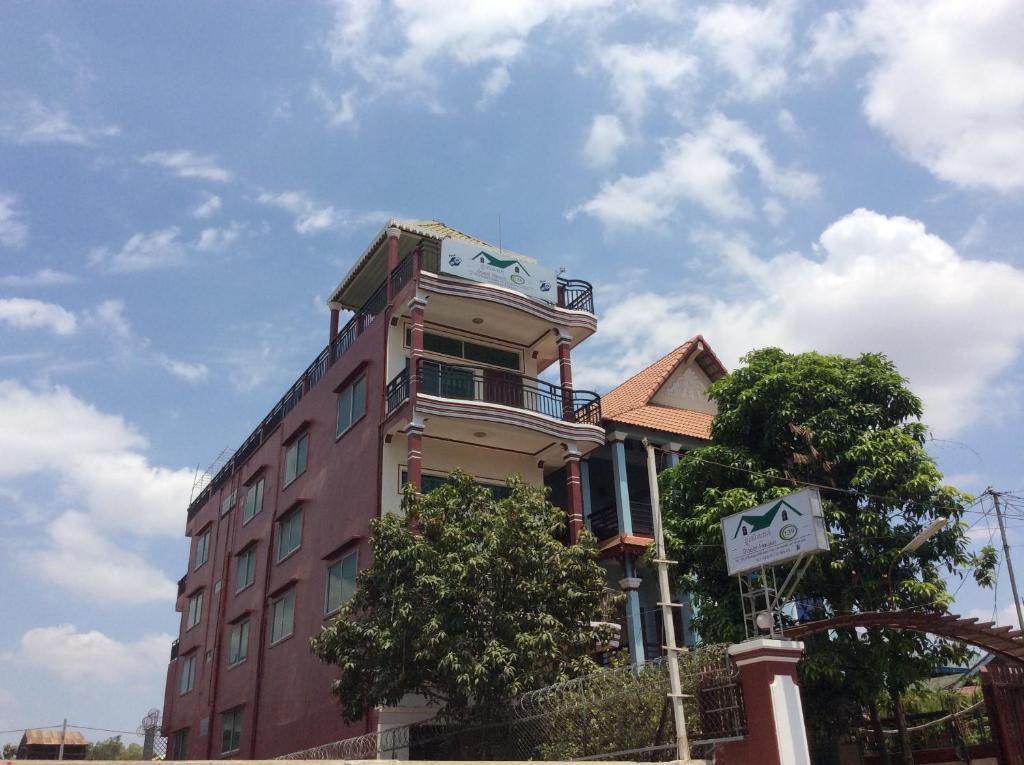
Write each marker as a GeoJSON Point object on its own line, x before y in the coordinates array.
{"type": "Point", "coordinates": [402, 274]}
{"type": "Point", "coordinates": [575, 294]}
{"type": "Point", "coordinates": [181, 585]}
{"type": "Point", "coordinates": [397, 390]}
{"type": "Point", "coordinates": [174, 650]}
{"type": "Point", "coordinates": [497, 386]}
{"type": "Point", "coordinates": [313, 374]}
{"type": "Point", "coordinates": [604, 521]}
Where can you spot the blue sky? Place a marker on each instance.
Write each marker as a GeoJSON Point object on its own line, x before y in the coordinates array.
{"type": "Point", "coordinates": [181, 186]}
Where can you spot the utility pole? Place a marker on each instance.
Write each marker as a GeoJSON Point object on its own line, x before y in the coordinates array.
{"type": "Point", "coordinates": [1006, 554]}
{"type": "Point", "coordinates": [63, 735]}
{"type": "Point", "coordinates": [667, 617]}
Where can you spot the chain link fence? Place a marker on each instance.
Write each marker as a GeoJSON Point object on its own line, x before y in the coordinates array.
{"type": "Point", "coordinates": [619, 713]}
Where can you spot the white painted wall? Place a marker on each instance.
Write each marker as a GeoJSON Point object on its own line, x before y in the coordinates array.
{"type": "Point", "coordinates": [686, 388]}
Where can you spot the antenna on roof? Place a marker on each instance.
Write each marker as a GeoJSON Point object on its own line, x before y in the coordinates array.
{"type": "Point", "coordinates": [499, 235]}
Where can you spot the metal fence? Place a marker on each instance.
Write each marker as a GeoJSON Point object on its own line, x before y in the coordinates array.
{"type": "Point", "coordinates": [617, 713]}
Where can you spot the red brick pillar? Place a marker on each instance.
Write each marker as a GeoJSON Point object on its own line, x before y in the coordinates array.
{"type": "Point", "coordinates": [414, 441]}
{"type": "Point", "coordinates": [771, 697]}
{"type": "Point", "coordinates": [416, 306]}
{"type": "Point", "coordinates": [574, 494]}
{"type": "Point", "coordinates": [565, 374]}
{"type": "Point", "coordinates": [334, 323]}
{"type": "Point", "coordinates": [393, 233]}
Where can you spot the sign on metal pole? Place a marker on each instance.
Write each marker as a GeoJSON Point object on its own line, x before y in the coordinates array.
{"type": "Point", "coordinates": [776, 532]}
{"type": "Point", "coordinates": [504, 269]}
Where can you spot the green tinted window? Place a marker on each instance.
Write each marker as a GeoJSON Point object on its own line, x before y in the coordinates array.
{"type": "Point", "coordinates": [494, 356]}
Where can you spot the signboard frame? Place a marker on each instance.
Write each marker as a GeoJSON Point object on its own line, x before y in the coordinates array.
{"type": "Point", "coordinates": [775, 532]}
{"type": "Point", "coordinates": [501, 268]}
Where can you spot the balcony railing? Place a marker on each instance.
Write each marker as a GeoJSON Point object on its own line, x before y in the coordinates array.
{"type": "Point", "coordinates": [181, 585]}
{"type": "Point", "coordinates": [496, 386]}
{"type": "Point", "coordinates": [575, 294]}
{"type": "Point", "coordinates": [604, 521]}
{"type": "Point", "coordinates": [174, 650]}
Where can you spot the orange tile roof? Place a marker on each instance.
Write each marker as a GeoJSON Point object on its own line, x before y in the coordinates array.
{"type": "Point", "coordinates": [629, 403]}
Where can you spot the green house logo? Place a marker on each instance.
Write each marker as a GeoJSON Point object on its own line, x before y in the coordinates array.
{"type": "Point", "coordinates": [489, 260]}
{"type": "Point", "coordinates": [750, 522]}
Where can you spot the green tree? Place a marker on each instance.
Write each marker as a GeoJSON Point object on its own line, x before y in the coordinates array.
{"type": "Point", "coordinates": [10, 751]}
{"type": "Point", "coordinates": [113, 749]}
{"type": "Point", "coordinates": [469, 599]}
{"type": "Point", "coordinates": [852, 425]}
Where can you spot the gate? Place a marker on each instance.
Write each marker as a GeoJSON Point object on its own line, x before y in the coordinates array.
{"type": "Point", "coordinates": [1003, 686]}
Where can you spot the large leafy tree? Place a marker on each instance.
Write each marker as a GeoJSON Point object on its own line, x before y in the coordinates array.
{"type": "Point", "coordinates": [853, 426]}
{"type": "Point", "coordinates": [469, 599]}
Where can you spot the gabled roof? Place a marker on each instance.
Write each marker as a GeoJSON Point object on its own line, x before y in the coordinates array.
{"type": "Point", "coordinates": [630, 403]}
{"type": "Point", "coordinates": [35, 737]}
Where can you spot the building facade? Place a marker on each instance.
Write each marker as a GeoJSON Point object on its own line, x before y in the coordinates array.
{"type": "Point", "coordinates": [439, 367]}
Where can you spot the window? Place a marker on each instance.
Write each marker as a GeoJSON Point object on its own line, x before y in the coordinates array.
{"type": "Point", "coordinates": [351, 404]}
{"type": "Point", "coordinates": [195, 610]}
{"type": "Point", "coordinates": [245, 568]}
{"type": "Point", "coordinates": [227, 503]}
{"type": "Point", "coordinates": [295, 459]}
{"type": "Point", "coordinates": [179, 745]}
{"type": "Point", "coordinates": [451, 346]}
{"type": "Point", "coordinates": [231, 731]}
{"type": "Point", "coordinates": [341, 583]}
{"type": "Point", "coordinates": [289, 533]}
{"type": "Point", "coordinates": [187, 679]}
{"type": "Point", "coordinates": [238, 642]}
{"type": "Point", "coordinates": [282, 616]}
{"type": "Point", "coordinates": [429, 482]}
{"type": "Point", "coordinates": [202, 549]}
{"type": "Point", "coordinates": [253, 501]}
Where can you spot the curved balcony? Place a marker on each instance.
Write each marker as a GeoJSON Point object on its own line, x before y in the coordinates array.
{"type": "Point", "coordinates": [494, 386]}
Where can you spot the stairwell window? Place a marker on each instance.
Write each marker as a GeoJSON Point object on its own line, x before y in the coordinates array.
{"type": "Point", "coordinates": [231, 731]}
{"type": "Point", "coordinates": [195, 610]}
{"type": "Point", "coordinates": [295, 458]}
{"type": "Point", "coordinates": [187, 678]}
{"type": "Point", "coordinates": [238, 643]}
{"type": "Point", "coordinates": [202, 553]}
{"type": "Point", "coordinates": [245, 568]}
{"type": "Point", "coordinates": [341, 582]}
{"type": "Point", "coordinates": [179, 749]}
{"type": "Point", "coordinates": [282, 616]}
{"type": "Point", "coordinates": [351, 405]}
{"type": "Point", "coordinates": [289, 535]}
{"type": "Point", "coordinates": [253, 501]}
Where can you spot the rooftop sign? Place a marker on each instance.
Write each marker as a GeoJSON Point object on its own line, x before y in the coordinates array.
{"type": "Point", "coordinates": [485, 264]}
{"type": "Point", "coordinates": [775, 532]}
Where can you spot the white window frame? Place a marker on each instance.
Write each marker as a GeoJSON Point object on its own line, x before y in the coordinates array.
{"type": "Point", "coordinates": [238, 643]}
{"type": "Point", "coordinates": [187, 672]}
{"type": "Point", "coordinates": [202, 553]}
{"type": "Point", "coordinates": [347, 399]}
{"type": "Point", "coordinates": [276, 603]}
{"type": "Point", "coordinates": [255, 493]}
{"type": "Point", "coordinates": [248, 554]}
{"type": "Point", "coordinates": [298, 447]}
{"type": "Point", "coordinates": [194, 614]}
{"type": "Point", "coordinates": [288, 518]}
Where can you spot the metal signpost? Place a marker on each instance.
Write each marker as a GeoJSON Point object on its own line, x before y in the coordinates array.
{"type": "Point", "coordinates": [504, 269]}
{"type": "Point", "coordinates": [784, 530]}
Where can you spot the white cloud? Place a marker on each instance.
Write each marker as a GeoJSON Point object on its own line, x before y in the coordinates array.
{"type": "Point", "coordinates": [639, 71]}
{"type": "Point", "coordinates": [218, 239]}
{"type": "Point", "coordinates": [946, 83]}
{"type": "Point", "coordinates": [494, 85]}
{"type": "Point", "coordinates": [143, 252]}
{"type": "Point", "coordinates": [184, 370]}
{"type": "Point", "coordinates": [96, 460]}
{"type": "Point", "coordinates": [874, 283]}
{"type": "Point", "coordinates": [13, 229]}
{"type": "Point", "coordinates": [27, 120]}
{"type": "Point", "coordinates": [749, 42]}
{"type": "Point", "coordinates": [82, 560]}
{"type": "Point", "coordinates": [210, 206]}
{"type": "Point", "coordinates": [23, 313]}
{"type": "Point", "coordinates": [704, 168]}
{"type": "Point", "coordinates": [44, 277]}
{"type": "Point", "coordinates": [428, 34]}
{"type": "Point", "coordinates": [74, 654]}
{"type": "Point", "coordinates": [188, 164]}
{"type": "Point", "coordinates": [312, 217]}
{"type": "Point", "coordinates": [340, 109]}
{"type": "Point", "coordinates": [605, 139]}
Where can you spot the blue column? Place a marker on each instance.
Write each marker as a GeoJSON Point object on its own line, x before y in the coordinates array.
{"type": "Point", "coordinates": [622, 509]}
{"type": "Point", "coordinates": [673, 459]}
{"type": "Point", "coordinates": [633, 624]}
{"type": "Point", "coordinates": [585, 485]}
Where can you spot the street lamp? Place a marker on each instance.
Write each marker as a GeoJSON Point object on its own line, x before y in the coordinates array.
{"type": "Point", "coordinates": [923, 536]}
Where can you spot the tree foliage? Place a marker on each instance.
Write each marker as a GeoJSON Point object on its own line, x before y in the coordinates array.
{"type": "Point", "coordinates": [113, 749]}
{"type": "Point", "coordinates": [469, 599]}
{"type": "Point", "coordinates": [853, 426]}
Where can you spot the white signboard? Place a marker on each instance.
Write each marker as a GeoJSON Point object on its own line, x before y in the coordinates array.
{"type": "Point", "coordinates": [775, 532]}
{"type": "Point", "coordinates": [505, 269]}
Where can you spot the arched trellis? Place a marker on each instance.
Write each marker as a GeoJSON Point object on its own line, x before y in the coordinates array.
{"type": "Point", "coordinates": [1002, 641]}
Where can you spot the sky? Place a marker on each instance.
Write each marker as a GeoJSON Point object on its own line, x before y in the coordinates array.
{"type": "Point", "coordinates": [181, 186]}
